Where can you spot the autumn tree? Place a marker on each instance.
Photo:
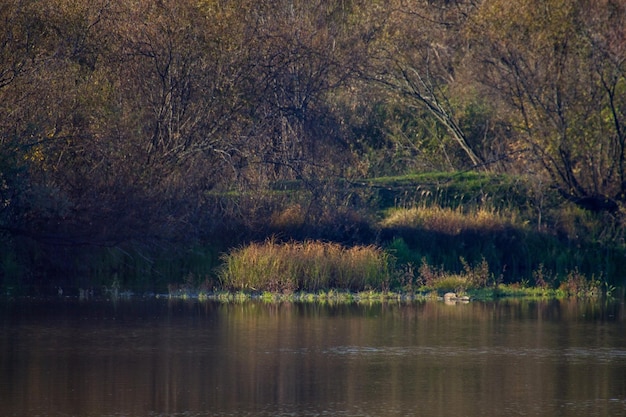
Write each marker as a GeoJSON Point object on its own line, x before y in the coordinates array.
{"type": "Point", "coordinates": [560, 67]}
{"type": "Point", "coordinates": [129, 116]}
{"type": "Point", "coordinates": [417, 53]}
{"type": "Point", "coordinates": [52, 54]}
{"type": "Point", "coordinates": [301, 57]}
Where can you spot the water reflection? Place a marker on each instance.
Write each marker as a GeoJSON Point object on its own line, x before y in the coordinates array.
{"type": "Point", "coordinates": [208, 359]}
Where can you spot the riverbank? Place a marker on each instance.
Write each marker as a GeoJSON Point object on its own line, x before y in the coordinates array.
{"type": "Point", "coordinates": [502, 292]}
{"type": "Point", "coordinates": [447, 231]}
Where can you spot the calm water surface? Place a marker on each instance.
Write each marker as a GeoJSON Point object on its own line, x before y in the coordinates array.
{"type": "Point", "coordinates": [176, 358]}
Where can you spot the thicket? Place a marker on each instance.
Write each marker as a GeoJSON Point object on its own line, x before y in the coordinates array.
{"type": "Point", "coordinates": [141, 140]}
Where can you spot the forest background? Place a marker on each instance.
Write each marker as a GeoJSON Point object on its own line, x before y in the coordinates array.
{"type": "Point", "coordinates": [139, 140]}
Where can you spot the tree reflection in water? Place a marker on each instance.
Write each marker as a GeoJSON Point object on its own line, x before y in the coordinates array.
{"type": "Point", "coordinates": [201, 358]}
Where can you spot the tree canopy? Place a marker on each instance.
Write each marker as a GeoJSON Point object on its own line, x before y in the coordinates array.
{"type": "Point", "coordinates": [129, 120]}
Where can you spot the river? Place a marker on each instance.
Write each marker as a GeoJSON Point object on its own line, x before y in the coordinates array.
{"type": "Point", "coordinates": [151, 357]}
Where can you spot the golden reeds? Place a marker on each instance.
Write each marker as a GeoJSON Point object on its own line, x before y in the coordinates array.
{"type": "Point", "coordinates": [451, 221]}
{"type": "Point", "coordinates": [304, 266]}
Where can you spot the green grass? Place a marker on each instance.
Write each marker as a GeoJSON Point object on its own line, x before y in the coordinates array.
{"type": "Point", "coordinates": [448, 189]}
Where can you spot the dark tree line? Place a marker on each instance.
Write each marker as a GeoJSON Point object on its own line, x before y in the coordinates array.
{"type": "Point", "coordinates": [123, 121]}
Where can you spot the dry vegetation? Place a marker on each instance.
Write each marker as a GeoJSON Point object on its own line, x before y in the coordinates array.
{"type": "Point", "coordinates": [452, 221]}
{"type": "Point", "coordinates": [304, 266]}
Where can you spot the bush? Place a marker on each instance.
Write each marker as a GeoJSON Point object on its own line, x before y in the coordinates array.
{"type": "Point", "coordinates": [472, 277]}
{"type": "Point", "coordinates": [578, 285]}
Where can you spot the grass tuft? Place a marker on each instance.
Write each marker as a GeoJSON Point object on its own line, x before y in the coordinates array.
{"type": "Point", "coordinates": [452, 221]}
{"type": "Point", "coordinates": [304, 266]}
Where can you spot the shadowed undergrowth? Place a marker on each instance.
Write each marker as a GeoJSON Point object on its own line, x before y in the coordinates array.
{"type": "Point", "coordinates": [453, 238]}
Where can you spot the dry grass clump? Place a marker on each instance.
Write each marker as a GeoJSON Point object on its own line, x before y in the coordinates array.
{"type": "Point", "coordinates": [304, 266]}
{"type": "Point", "coordinates": [472, 277]}
{"type": "Point", "coordinates": [451, 221]}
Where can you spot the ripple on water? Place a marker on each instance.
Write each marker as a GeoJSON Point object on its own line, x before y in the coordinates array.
{"type": "Point", "coordinates": [573, 354]}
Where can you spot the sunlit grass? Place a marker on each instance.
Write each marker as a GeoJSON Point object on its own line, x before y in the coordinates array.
{"type": "Point", "coordinates": [452, 221]}
{"type": "Point", "coordinates": [304, 266]}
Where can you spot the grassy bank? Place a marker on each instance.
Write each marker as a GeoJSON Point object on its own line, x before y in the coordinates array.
{"type": "Point", "coordinates": [411, 234]}
{"type": "Point", "coordinates": [367, 272]}
{"type": "Point", "coordinates": [516, 250]}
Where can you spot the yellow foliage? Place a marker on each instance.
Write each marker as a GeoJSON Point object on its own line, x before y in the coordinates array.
{"type": "Point", "coordinates": [35, 155]}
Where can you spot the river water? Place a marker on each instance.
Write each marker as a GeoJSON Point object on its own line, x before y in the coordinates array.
{"type": "Point", "coordinates": [189, 358]}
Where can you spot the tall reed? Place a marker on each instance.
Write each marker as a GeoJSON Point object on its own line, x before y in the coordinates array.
{"type": "Point", "coordinates": [305, 266]}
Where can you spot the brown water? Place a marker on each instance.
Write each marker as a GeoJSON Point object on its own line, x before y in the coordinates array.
{"type": "Point", "coordinates": [164, 358]}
